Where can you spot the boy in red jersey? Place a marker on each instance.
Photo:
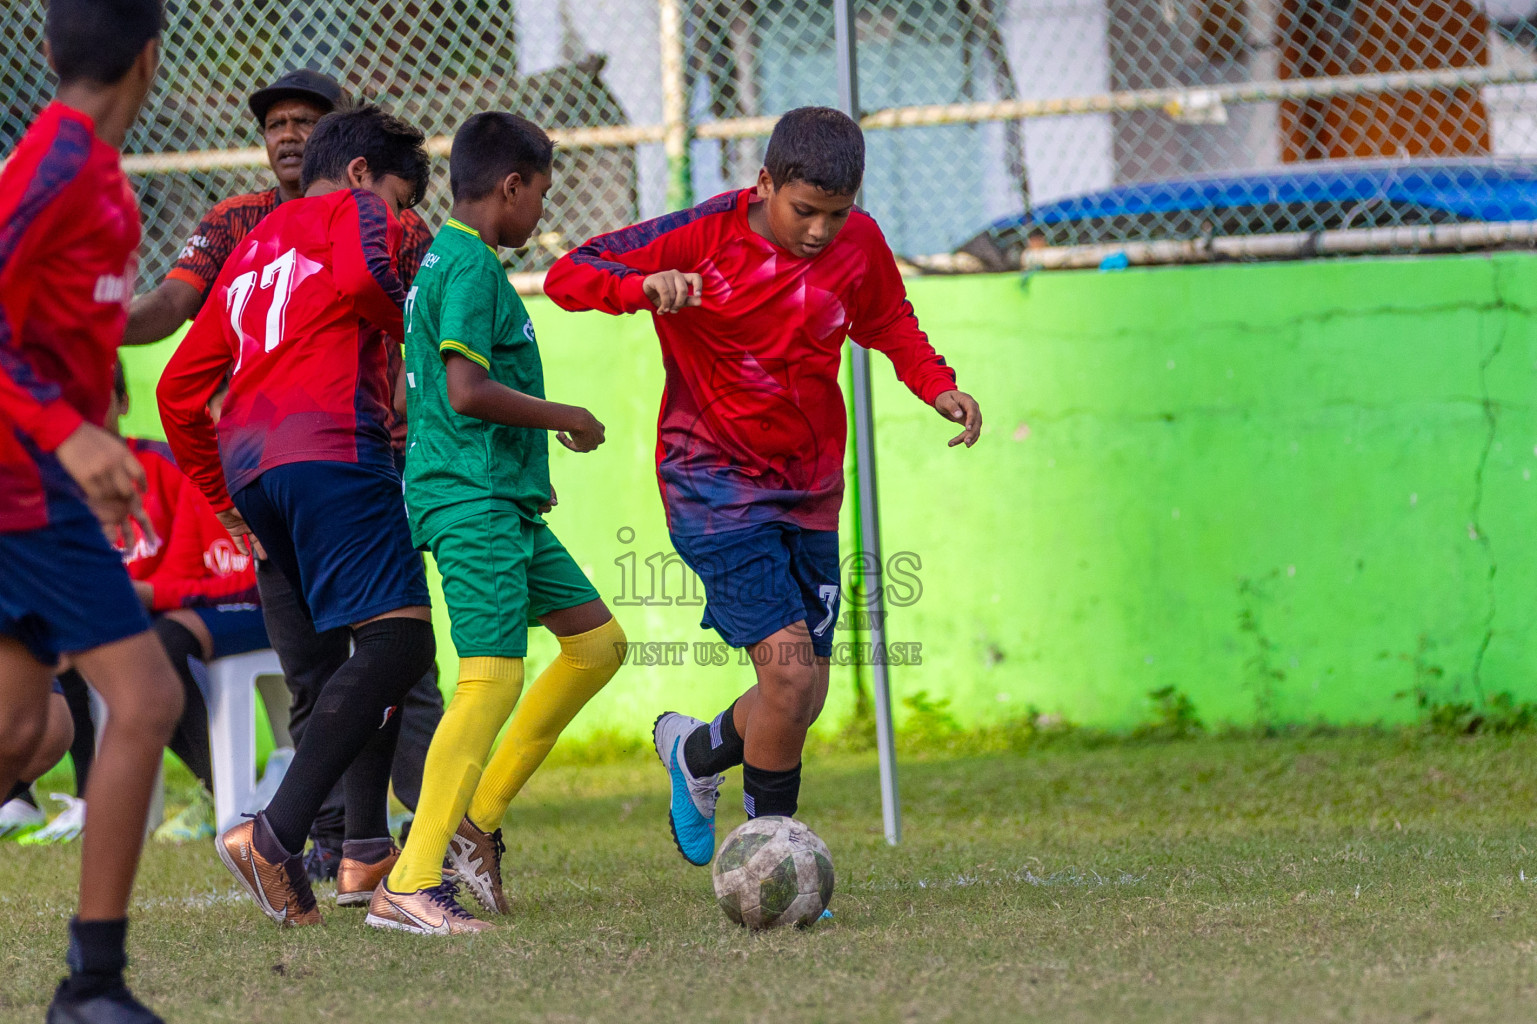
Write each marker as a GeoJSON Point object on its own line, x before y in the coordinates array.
{"type": "Point", "coordinates": [301, 317]}
{"type": "Point", "coordinates": [753, 293]}
{"type": "Point", "coordinates": [69, 228]}
{"type": "Point", "coordinates": [287, 110]}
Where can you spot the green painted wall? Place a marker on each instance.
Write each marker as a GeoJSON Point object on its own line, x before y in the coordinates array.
{"type": "Point", "coordinates": [1290, 490]}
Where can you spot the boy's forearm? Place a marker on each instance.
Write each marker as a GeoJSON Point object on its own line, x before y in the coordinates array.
{"type": "Point", "coordinates": [190, 379]}
{"type": "Point", "coordinates": [917, 364]}
{"type": "Point", "coordinates": [157, 314]}
{"type": "Point", "coordinates": [578, 284]}
{"type": "Point", "coordinates": [497, 403]}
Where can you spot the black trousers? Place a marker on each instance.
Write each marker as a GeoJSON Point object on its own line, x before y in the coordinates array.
{"type": "Point", "coordinates": [309, 658]}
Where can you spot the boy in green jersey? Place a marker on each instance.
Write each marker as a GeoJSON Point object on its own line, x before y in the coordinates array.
{"type": "Point", "coordinates": [477, 483]}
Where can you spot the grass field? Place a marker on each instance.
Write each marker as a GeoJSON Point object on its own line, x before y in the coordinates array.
{"type": "Point", "coordinates": [1347, 878]}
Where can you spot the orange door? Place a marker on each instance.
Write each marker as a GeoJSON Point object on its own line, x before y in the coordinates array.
{"type": "Point", "coordinates": [1356, 37]}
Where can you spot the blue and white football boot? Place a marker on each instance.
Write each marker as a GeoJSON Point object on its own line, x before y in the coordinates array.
{"type": "Point", "coordinates": [692, 814]}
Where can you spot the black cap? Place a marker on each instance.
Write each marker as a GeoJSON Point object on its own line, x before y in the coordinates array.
{"type": "Point", "coordinates": [303, 84]}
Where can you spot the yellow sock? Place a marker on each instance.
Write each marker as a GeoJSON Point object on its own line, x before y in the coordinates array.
{"type": "Point", "coordinates": [587, 661]}
{"type": "Point", "coordinates": [488, 689]}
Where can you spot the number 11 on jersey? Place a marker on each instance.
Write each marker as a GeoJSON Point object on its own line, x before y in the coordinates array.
{"type": "Point", "coordinates": [277, 276]}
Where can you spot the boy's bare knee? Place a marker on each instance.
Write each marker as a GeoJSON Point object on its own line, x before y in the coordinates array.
{"type": "Point", "coordinates": [791, 690]}
{"type": "Point", "coordinates": [58, 733]}
{"type": "Point", "coordinates": [169, 703]}
{"type": "Point", "coordinates": [153, 712]}
{"type": "Point", "coordinates": [818, 702]}
{"type": "Point", "coordinates": [21, 732]}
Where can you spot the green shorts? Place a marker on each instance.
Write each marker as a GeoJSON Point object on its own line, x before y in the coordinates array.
{"type": "Point", "coordinates": [500, 573]}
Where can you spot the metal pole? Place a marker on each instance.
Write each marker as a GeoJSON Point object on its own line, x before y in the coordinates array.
{"type": "Point", "coordinates": [675, 138]}
{"type": "Point", "coordinates": [866, 496]}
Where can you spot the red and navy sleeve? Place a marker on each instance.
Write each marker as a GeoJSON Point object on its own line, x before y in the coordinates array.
{"type": "Point", "coordinates": [210, 246]}
{"type": "Point", "coordinates": [27, 399]}
{"type": "Point", "coordinates": [416, 239]}
{"type": "Point", "coordinates": [607, 272]}
{"type": "Point", "coordinates": [196, 370]}
{"type": "Point", "coordinates": [885, 321]}
{"type": "Point", "coordinates": [364, 238]}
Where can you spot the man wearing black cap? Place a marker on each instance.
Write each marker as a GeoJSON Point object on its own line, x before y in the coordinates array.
{"type": "Point", "coordinates": [287, 111]}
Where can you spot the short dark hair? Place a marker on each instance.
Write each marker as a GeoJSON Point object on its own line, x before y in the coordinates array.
{"type": "Point", "coordinates": [390, 145]}
{"type": "Point", "coordinates": [492, 145]}
{"type": "Point", "coordinates": [820, 146]}
{"type": "Point", "coordinates": [98, 40]}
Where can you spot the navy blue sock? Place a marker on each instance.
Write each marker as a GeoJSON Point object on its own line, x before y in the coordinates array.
{"type": "Point", "coordinates": [711, 749]}
{"type": "Point", "coordinates": [766, 793]}
{"type": "Point", "coordinates": [97, 955]}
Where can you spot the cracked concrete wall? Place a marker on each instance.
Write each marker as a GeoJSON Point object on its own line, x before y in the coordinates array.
{"type": "Point", "coordinates": [1290, 490]}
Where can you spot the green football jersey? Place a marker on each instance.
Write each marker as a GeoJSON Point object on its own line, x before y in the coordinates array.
{"type": "Point", "coordinates": [461, 303]}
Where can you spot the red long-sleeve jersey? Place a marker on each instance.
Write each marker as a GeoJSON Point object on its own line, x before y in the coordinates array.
{"type": "Point", "coordinates": [752, 426]}
{"type": "Point", "coordinates": [194, 561]}
{"type": "Point", "coordinates": [69, 231]}
{"type": "Point", "coordinates": [226, 225]}
{"type": "Point", "coordinates": [299, 317]}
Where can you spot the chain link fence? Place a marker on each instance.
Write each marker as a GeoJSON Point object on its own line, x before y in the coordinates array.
{"type": "Point", "coordinates": [1172, 129]}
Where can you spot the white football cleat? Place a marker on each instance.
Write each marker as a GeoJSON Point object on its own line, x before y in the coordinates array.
{"type": "Point", "coordinates": [18, 818]}
{"type": "Point", "coordinates": [62, 829]}
{"type": "Point", "coordinates": [691, 815]}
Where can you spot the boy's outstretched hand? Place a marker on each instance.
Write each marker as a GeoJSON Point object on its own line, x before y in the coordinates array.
{"type": "Point", "coordinates": [671, 290]}
{"type": "Point", "coordinates": [583, 436]}
{"type": "Point", "coordinates": [961, 408]}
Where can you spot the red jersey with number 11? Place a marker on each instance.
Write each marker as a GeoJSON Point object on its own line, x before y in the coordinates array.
{"type": "Point", "coordinates": [299, 316]}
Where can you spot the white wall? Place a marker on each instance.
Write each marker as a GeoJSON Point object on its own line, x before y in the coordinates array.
{"type": "Point", "coordinates": [554, 32]}
{"type": "Point", "coordinates": [1057, 48]}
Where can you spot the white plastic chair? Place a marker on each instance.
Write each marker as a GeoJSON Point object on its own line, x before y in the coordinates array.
{"type": "Point", "coordinates": [232, 686]}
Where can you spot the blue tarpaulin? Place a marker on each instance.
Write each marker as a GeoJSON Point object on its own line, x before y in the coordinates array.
{"type": "Point", "coordinates": [1473, 189]}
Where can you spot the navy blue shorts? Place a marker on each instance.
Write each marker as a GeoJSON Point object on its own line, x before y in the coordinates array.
{"type": "Point", "coordinates": [235, 628]}
{"type": "Point", "coordinates": [63, 590]}
{"type": "Point", "coordinates": [760, 579]}
{"type": "Point", "coordinates": [338, 532]}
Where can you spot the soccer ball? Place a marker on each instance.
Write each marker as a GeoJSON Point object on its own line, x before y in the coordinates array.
{"type": "Point", "coordinates": [771, 872]}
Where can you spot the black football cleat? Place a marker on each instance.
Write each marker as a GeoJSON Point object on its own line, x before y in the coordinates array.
{"type": "Point", "coordinates": [116, 1006]}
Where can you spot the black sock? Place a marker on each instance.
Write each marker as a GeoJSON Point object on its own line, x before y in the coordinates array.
{"type": "Point", "coordinates": [330, 825]}
{"type": "Point", "coordinates": [368, 851]}
{"type": "Point", "coordinates": [711, 749]}
{"type": "Point", "coordinates": [366, 786]}
{"type": "Point", "coordinates": [21, 791]}
{"type": "Point", "coordinates": [97, 956]}
{"type": "Point", "coordinates": [82, 749]}
{"type": "Point", "coordinates": [189, 741]}
{"type": "Point", "coordinates": [267, 844]}
{"type": "Point", "coordinates": [350, 712]}
{"type": "Point", "coordinates": [765, 793]}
